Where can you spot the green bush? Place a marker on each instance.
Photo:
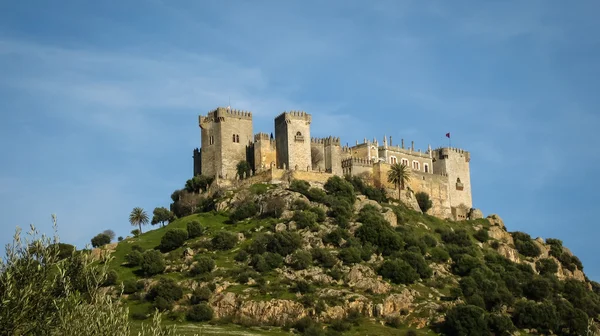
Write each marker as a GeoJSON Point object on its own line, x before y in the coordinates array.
{"type": "Point", "coordinates": [133, 258]}
{"type": "Point", "coordinates": [341, 211]}
{"type": "Point", "coordinates": [241, 256]}
{"type": "Point", "coordinates": [131, 286]}
{"type": "Point", "coordinates": [194, 229]}
{"type": "Point", "coordinates": [317, 195]}
{"type": "Point", "coordinates": [173, 239]}
{"type": "Point", "coordinates": [466, 320]}
{"type": "Point", "coordinates": [439, 255]}
{"type": "Point", "coordinates": [418, 263]}
{"type": "Point", "coordinates": [500, 325]}
{"type": "Point", "coordinates": [162, 304]}
{"type": "Point", "coordinates": [323, 257]}
{"type": "Point", "coordinates": [224, 240]}
{"type": "Point", "coordinates": [546, 266]}
{"type": "Point", "coordinates": [165, 288]}
{"type": "Point", "coordinates": [244, 210]}
{"type": "Point", "coordinates": [335, 237]}
{"type": "Point", "coordinates": [200, 294]}
{"type": "Point", "coordinates": [459, 237]}
{"type": "Point", "coordinates": [301, 260]}
{"type": "Point", "coordinates": [305, 219]}
{"type": "Point", "coordinates": [398, 271]}
{"type": "Point", "coordinates": [111, 278]}
{"type": "Point", "coordinates": [482, 235]}
{"type": "Point", "coordinates": [202, 266]}
{"type": "Point", "coordinates": [424, 202]}
{"type": "Point", "coordinates": [525, 245]}
{"type": "Point", "coordinates": [320, 213]}
{"type": "Point", "coordinates": [340, 189]}
{"type": "Point", "coordinates": [152, 263]}
{"type": "Point", "coordinates": [100, 240]}
{"type": "Point", "coordinates": [301, 205]}
{"type": "Point", "coordinates": [429, 240]}
{"type": "Point", "coordinates": [302, 286]}
{"type": "Point", "coordinates": [465, 263]}
{"type": "Point", "coordinates": [275, 207]}
{"type": "Point", "coordinates": [540, 316]}
{"type": "Point", "coordinates": [350, 255]}
{"type": "Point", "coordinates": [199, 313]}
{"type": "Point", "coordinates": [300, 186]}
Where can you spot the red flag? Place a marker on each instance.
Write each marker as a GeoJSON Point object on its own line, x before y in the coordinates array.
{"type": "Point", "coordinates": [448, 135]}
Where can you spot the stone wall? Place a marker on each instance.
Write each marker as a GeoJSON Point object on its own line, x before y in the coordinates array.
{"type": "Point", "coordinates": [265, 153]}
{"type": "Point", "coordinates": [454, 163]}
{"type": "Point", "coordinates": [292, 134]}
{"type": "Point", "coordinates": [333, 158]}
{"type": "Point", "coordinates": [425, 163]}
{"type": "Point", "coordinates": [317, 154]}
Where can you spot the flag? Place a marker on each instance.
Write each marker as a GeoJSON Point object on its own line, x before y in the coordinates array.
{"type": "Point", "coordinates": [448, 135]}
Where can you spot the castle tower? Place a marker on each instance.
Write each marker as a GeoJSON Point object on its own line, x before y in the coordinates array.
{"type": "Point", "coordinates": [454, 163]}
{"type": "Point", "coordinates": [317, 154]}
{"type": "Point", "coordinates": [292, 137]}
{"type": "Point", "coordinates": [333, 155]}
{"type": "Point", "coordinates": [264, 152]}
{"type": "Point", "coordinates": [226, 136]}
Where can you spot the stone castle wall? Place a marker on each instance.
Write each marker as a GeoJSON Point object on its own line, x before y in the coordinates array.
{"type": "Point", "coordinates": [454, 163]}
{"type": "Point", "coordinates": [264, 152]}
{"type": "Point", "coordinates": [317, 154]}
{"type": "Point", "coordinates": [292, 135]}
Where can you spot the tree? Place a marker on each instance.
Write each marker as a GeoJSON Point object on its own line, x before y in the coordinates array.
{"type": "Point", "coordinates": [138, 217]}
{"type": "Point", "coordinates": [100, 240]}
{"type": "Point", "coordinates": [162, 215]}
{"type": "Point", "coordinates": [110, 234]}
{"type": "Point", "coordinates": [197, 183]}
{"type": "Point", "coordinates": [243, 169]}
{"type": "Point", "coordinates": [423, 201]}
{"type": "Point", "coordinates": [399, 174]}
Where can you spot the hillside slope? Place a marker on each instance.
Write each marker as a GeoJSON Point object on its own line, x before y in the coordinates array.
{"type": "Point", "coordinates": [313, 261]}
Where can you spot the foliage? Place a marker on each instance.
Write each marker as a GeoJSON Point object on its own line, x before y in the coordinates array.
{"type": "Point", "coordinates": [224, 240]}
{"type": "Point", "coordinates": [466, 320]}
{"type": "Point", "coordinates": [173, 239]}
{"type": "Point", "coordinates": [439, 255]}
{"type": "Point", "coordinates": [500, 325]}
{"type": "Point", "coordinates": [372, 193]}
{"type": "Point", "coordinates": [300, 186]}
{"type": "Point", "coordinates": [111, 278]}
{"type": "Point", "coordinates": [350, 255]}
{"type": "Point", "coordinates": [138, 217]}
{"type": "Point", "coordinates": [340, 189]}
{"type": "Point", "coordinates": [200, 294]}
{"type": "Point", "coordinates": [203, 265]}
{"type": "Point", "coordinates": [110, 234]}
{"type": "Point", "coordinates": [166, 289]}
{"type": "Point", "coordinates": [243, 169]}
{"type": "Point", "coordinates": [275, 207]}
{"type": "Point", "coordinates": [198, 183]}
{"type": "Point", "coordinates": [301, 260]}
{"type": "Point", "coordinates": [282, 243]}
{"type": "Point", "coordinates": [458, 237]}
{"type": "Point", "coordinates": [100, 239]}
{"type": "Point", "coordinates": [335, 237]}
{"type": "Point", "coordinates": [162, 215]}
{"type": "Point", "coordinates": [482, 235]}
{"type": "Point", "coordinates": [399, 175]}
{"type": "Point", "coordinates": [525, 245]}
{"type": "Point", "coordinates": [134, 258]}
{"type": "Point", "coordinates": [194, 229]}
{"type": "Point", "coordinates": [305, 219]}
{"type": "Point", "coordinates": [546, 266]}
{"type": "Point", "coordinates": [131, 286]}
{"type": "Point", "coordinates": [378, 232]}
{"type": "Point", "coordinates": [244, 210]}
{"type": "Point", "coordinates": [135, 232]}
{"type": "Point", "coordinates": [200, 312]}
{"type": "Point", "coordinates": [323, 257]}
{"type": "Point", "coordinates": [152, 263]}
{"type": "Point", "coordinates": [424, 201]}
{"type": "Point", "coordinates": [341, 211]}
{"type": "Point", "coordinates": [418, 263]}
{"type": "Point", "coordinates": [398, 271]}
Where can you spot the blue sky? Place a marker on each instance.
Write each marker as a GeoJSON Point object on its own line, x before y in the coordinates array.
{"type": "Point", "coordinates": [99, 99]}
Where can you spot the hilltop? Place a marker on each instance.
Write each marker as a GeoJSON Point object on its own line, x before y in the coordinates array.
{"type": "Point", "coordinates": [325, 259]}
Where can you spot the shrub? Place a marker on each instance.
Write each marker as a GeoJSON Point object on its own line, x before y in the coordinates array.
{"type": "Point", "coordinates": [172, 239]}
{"type": "Point", "coordinates": [340, 325]}
{"type": "Point", "coordinates": [394, 322]}
{"type": "Point", "coordinates": [275, 207]}
{"type": "Point", "coordinates": [120, 239]}
{"type": "Point", "coordinates": [204, 265]}
{"type": "Point", "coordinates": [525, 245]}
{"type": "Point", "coordinates": [439, 255]}
{"type": "Point", "coordinates": [131, 286]}
{"type": "Point", "coordinates": [317, 195]}
{"type": "Point", "coordinates": [194, 229]}
{"type": "Point", "coordinates": [165, 288]}
{"type": "Point", "coordinates": [320, 213]}
{"type": "Point", "coordinates": [111, 278]}
{"type": "Point", "coordinates": [341, 211]}
{"type": "Point", "coordinates": [301, 260]}
{"type": "Point", "coordinates": [199, 313]}
{"type": "Point", "coordinates": [284, 243]}
{"type": "Point", "coordinates": [500, 325]}
{"type": "Point", "coordinates": [301, 205]}
{"type": "Point", "coordinates": [465, 263]}
{"type": "Point", "coordinates": [138, 316]}
{"type": "Point", "coordinates": [335, 237]}
{"type": "Point", "coordinates": [466, 320]}
{"type": "Point", "coordinates": [540, 316]}
{"type": "Point", "coordinates": [423, 200]}
{"type": "Point", "coordinates": [398, 271]}
{"type": "Point", "coordinates": [340, 189]}
{"type": "Point", "coordinates": [323, 257]}
{"type": "Point", "coordinates": [300, 186]}
{"type": "Point", "coordinates": [482, 235]}
{"type": "Point", "coordinates": [200, 294]}
{"type": "Point", "coordinates": [350, 255]}
{"type": "Point", "coordinates": [459, 237]}
{"type": "Point", "coordinates": [429, 240]}
{"type": "Point", "coordinates": [135, 232]}
{"type": "Point", "coordinates": [303, 287]}
{"type": "Point", "coordinates": [241, 256]}
{"type": "Point", "coordinates": [100, 240]}
{"type": "Point", "coordinates": [162, 304]}
{"type": "Point", "coordinates": [224, 240]}
{"type": "Point", "coordinates": [273, 260]}
{"type": "Point", "coordinates": [546, 266]}
{"type": "Point", "coordinates": [418, 263]}
{"type": "Point", "coordinates": [152, 263]}
{"type": "Point", "coordinates": [244, 210]}
{"type": "Point", "coordinates": [495, 244]}
{"type": "Point", "coordinates": [305, 219]}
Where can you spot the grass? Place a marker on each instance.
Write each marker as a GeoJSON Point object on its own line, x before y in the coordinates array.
{"type": "Point", "coordinates": [206, 329]}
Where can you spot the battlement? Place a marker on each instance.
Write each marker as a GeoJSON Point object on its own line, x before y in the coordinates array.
{"type": "Point", "coordinates": [261, 136]}
{"type": "Point", "coordinates": [407, 151]}
{"type": "Point", "coordinates": [294, 115]}
{"type": "Point", "coordinates": [354, 161]}
{"type": "Point", "coordinates": [328, 141]}
{"type": "Point", "coordinates": [443, 152]}
{"type": "Point", "coordinates": [223, 112]}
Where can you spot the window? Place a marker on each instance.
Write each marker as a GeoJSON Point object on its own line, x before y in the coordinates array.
{"type": "Point", "coordinates": [459, 185]}
{"type": "Point", "coordinates": [211, 140]}
{"type": "Point", "coordinates": [426, 166]}
{"type": "Point", "coordinates": [298, 134]}
{"type": "Point", "coordinates": [234, 138]}
{"type": "Point", "coordinates": [416, 165]}
{"type": "Point", "coordinates": [393, 160]}
{"type": "Point", "coordinates": [237, 138]}
{"type": "Point", "coordinates": [405, 162]}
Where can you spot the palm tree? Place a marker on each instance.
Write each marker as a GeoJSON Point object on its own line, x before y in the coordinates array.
{"type": "Point", "coordinates": [399, 174]}
{"type": "Point", "coordinates": [138, 217]}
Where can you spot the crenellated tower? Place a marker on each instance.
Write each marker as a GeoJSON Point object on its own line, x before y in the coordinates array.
{"type": "Point", "coordinates": [292, 137]}
{"type": "Point", "coordinates": [226, 136]}
{"type": "Point", "coordinates": [264, 152]}
{"type": "Point", "coordinates": [454, 163]}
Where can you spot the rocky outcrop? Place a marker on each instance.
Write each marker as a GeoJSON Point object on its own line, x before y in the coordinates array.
{"type": "Point", "coordinates": [495, 220]}
{"type": "Point", "coordinates": [313, 274]}
{"type": "Point", "coordinates": [390, 216]}
{"type": "Point", "coordinates": [362, 201]}
{"type": "Point", "coordinates": [500, 234]}
{"type": "Point", "coordinates": [273, 312]}
{"type": "Point", "coordinates": [475, 214]}
{"type": "Point", "coordinates": [363, 277]}
{"type": "Point", "coordinates": [509, 253]}
{"type": "Point", "coordinates": [396, 304]}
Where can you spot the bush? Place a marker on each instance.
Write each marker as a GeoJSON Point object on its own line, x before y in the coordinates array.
{"type": "Point", "coordinates": [340, 325]}
{"type": "Point", "coordinates": [439, 255]}
{"type": "Point", "coordinates": [200, 294]}
{"type": "Point", "coordinates": [466, 320]}
{"type": "Point", "coordinates": [398, 271]}
{"type": "Point", "coordinates": [482, 235]}
{"type": "Point", "coordinates": [135, 232]}
{"type": "Point", "coordinates": [459, 237]}
{"type": "Point", "coordinates": [111, 278]}
{"type": "Point", "coordinates": [224, 240]}
{"type": "Point", "coordinates": [320, 213]}
{"type": "Point", "coordinates": [418, 263]}
{"type": "Point", "coordinates": [350, 255]}
{"type": "Point", "coordinates": [423, 200]}
{"type": "Point", "coordinates": [500, 325]}
{"type": "Point", "coordinates": [301, 205]}
{"type": "Point", "coordinates": [323, 257]}
{"type": "Point", "coordinates": [275, 207]}
{"type": "Point", "coordinates": [199, 313]}
{"type": "Point", "coordinates": [152, 263]}
{"type": "Point", "coordinates": [204, 265]}
{"type": "Point", "coordinates": [172, 239]}
{"type": "Point", "coordinates": [120, 239]}
{"type": "Point", "coordinates": [546, 266]}
{"type": "Point", "coordinates": [300, 186]}
{"type": "Point", "coordinates": [241, 256]}
{"type": "Point", "coordinates": [133, 258]}
{"type": "Point", "coordinates": [340, 189]}
{"type": "Point", "coordinates": [139, 316]}
{"type": "Point", "coordinates": [194, 229]}
{"type": "Point", "coordinates": [131, 286]}
{"type": "Point", "coordinates": [341, 211]}
{"type": "Point", "coordinates": [305, 219]}
{"type": "Point", "coordinates": [301, 260]}
{"type": "Point", "coordinates": [244, 210]}
{"type": "Point", "coordinates": [525, 245]}
{"type": "Point", "coordinates": [429, 240]}
{"type": "Point", "coordinates": [335, 237]}
{"type": "Point", "coordinates": [100, 240]}
{"type": "Point", "coordinates": [303, 287]}
{"type": "Point", "coordinates": [167, 289]}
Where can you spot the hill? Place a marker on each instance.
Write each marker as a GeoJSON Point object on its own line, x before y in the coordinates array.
{"type": "Point", "coordinates": [332, 261]}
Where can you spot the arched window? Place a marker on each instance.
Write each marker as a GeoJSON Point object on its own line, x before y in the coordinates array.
{"type": "Point", "coordinates": [458, 180]}
{"type": "Point", "coordinates": [405, 162]}
{"type": "Point", "coordinates": [234, 138]}
{"type": "Point", "coordinates": [298, 133]}
{"type": "Point", "coordinates": [393, 160]}
{"type": "Point", "coordinates": [237, 138]}
{"type": "Point", "coordinates": [416, 165]}
{"type": "Point", "coordinates": [426, 166]}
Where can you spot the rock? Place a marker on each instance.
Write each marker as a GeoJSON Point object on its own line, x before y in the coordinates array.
{"type": "Point", "coordinates": [475, 214]}
{"type": "Point", "coordinates": [509, 253]}
{"type": "Point", "coordinates": [292, 226]}
{"type": "Point", "coordinates": [280, 227]}
{"type": "Point", "coordinates": [188, 253]}
{"type": "Point", "coordinates": [500, 234]}
{"type": "Point", "coordinates": [240, 236]}
{"type": "Point", "coordinates": [395, 303]}
{"type": "Point", "coordinates": [378, 310]}
{"type": "Point", "coordinates": [390, 216]}
{"type": "Point", "coordinates": [495, 220]}
{"type": "Point", "coordinates": [362, 201]}
{"type": "Point", "coordinates": [224, 304]}
{"type": "Point", "coordinates": [273, 312]}
{"type": "Point", "coordinates": [408, 198]}
{"type": "Point", "coordinates": [363, 277]}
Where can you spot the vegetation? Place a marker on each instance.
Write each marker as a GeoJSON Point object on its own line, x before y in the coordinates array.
{"type": "Point", "coordinates": [162, 215]}
{"type": "Point", "coordinates": [100, 239]}
{"type": "Point", "coordinates": [424, 202]}
{"type": "Point", "coordinates": [399, 175]}
{"type": "Point", "coordinates": [243, 169]}
{"type": "Point", "coordinates": [138, 217]}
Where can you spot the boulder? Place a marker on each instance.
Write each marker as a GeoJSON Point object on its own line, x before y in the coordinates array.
{"type": "Point", "coordinates": [500, 234]}
{"type": "Point", "coordinates": [396, 303]}
{"type": "Point", "coordinates": [273, 312]}
{"type": "Point", "coordinates": [475, 214]}
{"type": "Point", "coordinates": [495, 220]}
{"type": "Point", "coordinates": [509, 253]}
{"type": "Point", "coordinates": [362, 200]}
{"type": "Point", "coordinates": [390, 216]}
{"type": "Point", "coordinates": [280, 227]}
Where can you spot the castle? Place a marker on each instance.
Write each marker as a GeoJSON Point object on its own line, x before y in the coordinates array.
{"type": "Point", "coordinates": [227, 138]}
